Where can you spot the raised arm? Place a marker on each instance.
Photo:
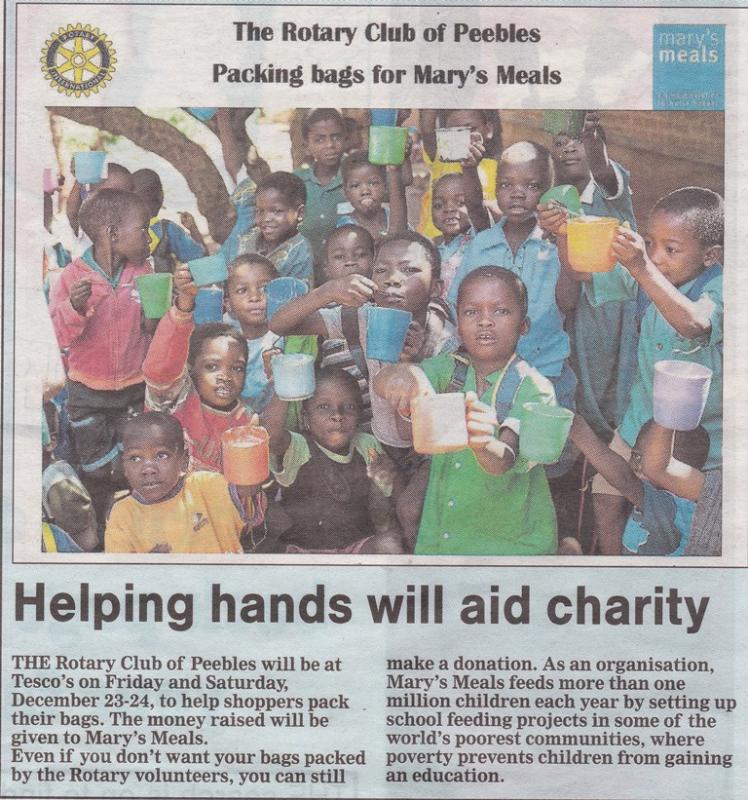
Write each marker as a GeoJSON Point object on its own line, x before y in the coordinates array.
{"type": "Point", "coordinates": [398, 208]}
{"type": "Point", "coordinates": [301, 316]}
{"type": "Point", "coordinates": [428, 131]}
{"type": "Point", "coordinates": [610, 465]}
{"type": "Point", "coordinates": [473, 190]}
{"type": "Point", "coordinates": [665, 471]}
{"type": "Point", "coordinates": [597, 153]}
{"type": "Point", "coordinates": [400, 383]}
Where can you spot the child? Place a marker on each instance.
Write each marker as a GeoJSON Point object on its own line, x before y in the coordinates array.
{"type": "Point", "coordinates": [97, 316]}
{"type": "Point", "coordinates": [169, 511]}
{"type": "Point", "coordinates": [603, 336]}
{"type": "Point", "coordinates": [364, 185]}
{"type": "Point", "coordinates": [350, 251]}
{"type": "Point", "coordinates": [457, 212]}
{"type": "Point", "coordinates": [335, 481]}
{"type": "Point", "coordinates": [169, 242]}
{"type": "Point", "coordinates": [247, 304]}
{"type": "Point", "coordinates": [663, 489]}
{"type": "Point", "coordinates": [485, 127]}
{"type": "Point", "coordinates": [197, 373]}
{"type": "Point", "coordinates": [516, 243]}
{"type": "Point", "coordinates": [323, 131]}
{"type": "Point", "coordinates": [493, 501]}
{"type": "Point", "coordinates": [678, 267]}
{"type": "Point", "coordinates": [279, 212]}
{"type": "Point", "coordinates": [405, 276]}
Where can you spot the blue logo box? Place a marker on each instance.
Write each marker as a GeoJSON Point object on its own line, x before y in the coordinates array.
{"type": "Point", "coordinates": [688, 68]}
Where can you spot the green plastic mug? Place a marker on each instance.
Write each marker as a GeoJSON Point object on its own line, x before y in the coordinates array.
{"type": "Point", "coordinates": [387, 145]}
{"type": "Point", "coordinates": [544, 431]}
{"type": "Point", "coordinates": [155, 294]}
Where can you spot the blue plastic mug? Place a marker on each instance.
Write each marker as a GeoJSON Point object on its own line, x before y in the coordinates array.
{"type": "Point", "coordinates": [208, 305]}
{"type": "Point", "coordinates": [281, 291]}
{"type": "Point", "coordinates": [386, 117]}
{"type": "Point", "coordinates": [89, 166]}
{"type": "Point", "coordinates": [208, 270]}
{"type": "Point", "coordinates": [386, 329]}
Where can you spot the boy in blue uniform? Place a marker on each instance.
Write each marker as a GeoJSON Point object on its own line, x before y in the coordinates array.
{"type": "Point", "coordinates": [516, 243]}
{"type": "Point", "coordinates": [676, 272]}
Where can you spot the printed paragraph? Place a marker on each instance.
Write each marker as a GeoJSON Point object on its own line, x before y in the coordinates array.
{"type": "Point", "coordinates": [147, 720]}
{"type": "Point", "coordinates": [460, 720]}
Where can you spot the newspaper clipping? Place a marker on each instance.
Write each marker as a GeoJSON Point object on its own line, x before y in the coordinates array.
{"type": "Point", "coordinates": [371, 375]}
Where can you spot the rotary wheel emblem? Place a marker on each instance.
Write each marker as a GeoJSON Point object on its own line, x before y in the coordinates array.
{"type": "Point", "coordinates": [78, 60]}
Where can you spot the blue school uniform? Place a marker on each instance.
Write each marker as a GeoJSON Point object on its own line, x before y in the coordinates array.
{"type": "Point", "coordinates": [661, 527]}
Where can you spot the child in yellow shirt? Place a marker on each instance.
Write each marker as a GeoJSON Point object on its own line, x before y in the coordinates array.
{"type": "Point", "coordinates": [167, 510]}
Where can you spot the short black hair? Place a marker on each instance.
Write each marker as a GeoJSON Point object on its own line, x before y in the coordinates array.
{"type": "Point", "coordinates": [169, 425]}
{"type": "Point", "coordinates": [506, 276]}
{"type": "Point", "coordinates": [107, 207]}
{"type": "Point", "coordinates": [457, 177]}
{"type": "Point", "coordinates": [356, 159]}
{"type": "Point", "coordinates": [349, 227]}
{"type": "Point", "coordinates": [213, 330]}
{"type": "Point", "coordinates": [432, 254]}
{"type": "Point", "coordinates": [526, 152]}
{"type": "Point", "coordinates": [321, 115]}
{"type": "Point", "coordinates": [340, 376]}
{"type": "Point", "coordinates": [702, 209]}
{"type": "Point", "coordinates": [252, 258]}
{"type": "Point", "coordinates": [147, 185]}
{"type": "Point", "coordinates": [290, 187]}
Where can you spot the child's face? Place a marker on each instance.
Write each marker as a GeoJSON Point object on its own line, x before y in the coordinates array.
{"type": "Point", "coordinates": [332, 414]}
{"type": "Point", "coordinates": [153, 465]}
{"type": "Point", "coordinates": [130, 239]}
{"type": "Point", "coordinates": [276, 218]}
{"type": "Point", "coordinates": [218, 372]}
{"type": "Point", "coordinates": [325, 142]}
{"type": "Point", "coordinates": [348, 253]}
{"type": "Point", "coordinates": [364, 190]}
{"type": "Point", "coordinates": [402, 272]}
{"type": "Point", "coordinates": [245, 293]}
{"type": "Point", "coordinates": [571, 158]}
{"type": "Point", "coordinates": [470, 119]}
{"type": "Point", "coordinates": [490, 321]}
{"type": "Point", "coordinates": [448, 208]}
{"type": "Point", "coordinates": [674, 249]}
{"type": "Point", "coordinates": [518, 189]}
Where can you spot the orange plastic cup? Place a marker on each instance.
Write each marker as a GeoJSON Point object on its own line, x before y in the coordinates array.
{"type": "Point", "coordinates": [590, 240]}
{"type": "Point", "coordinates": [246, 455]}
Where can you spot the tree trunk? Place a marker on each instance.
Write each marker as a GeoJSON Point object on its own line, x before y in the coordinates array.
{"type": "Point", "coordinates": [165, 140]}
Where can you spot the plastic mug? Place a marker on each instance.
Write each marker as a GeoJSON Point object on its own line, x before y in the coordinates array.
{"type": "Point", "coordinates": [387, 144]}
{"type": "Point", "coordinates": [589, 241]}
{"type": "Point", "coordinates": [203, 113]}
{"type": "Point", "coordinates": [565, 195]}
{"type": "Point", "coordinates": [567, 122]}
{"type": "Point", "coordinates": [386, 329]}
{"type": "Point", "coordinates": [293, 374]}
{"type": "Point", "coordinates": [453, 144]}
{"type": "Point", "coordinates": [49, 180]}
{"type": "Point", "coordinates": [544, 431]}
{"type": "Point", "coordinates": [89, 166]}
{"type": "Point", "coordinates": [439, 423]}
{"type": "Point", "coordinates": [246, 455]}
{"type": "Point", "coordinates": [208, 305]}
{"type": "Point", "coordinates": [384, 117]}
{"type": "Point", "coordinates": [208, 270]}
{"type": "Point", "coordinates": [679, 393]}
{"type": "Point", "coordinates": [155, 294]}
{"type": "Point", "coordinates": [281, 291]}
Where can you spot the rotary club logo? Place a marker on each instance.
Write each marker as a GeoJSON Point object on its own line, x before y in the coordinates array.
{"type": "Point", "coordinates": [78, 60]}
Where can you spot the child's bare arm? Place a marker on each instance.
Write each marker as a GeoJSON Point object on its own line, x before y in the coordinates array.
{"type": "Point", "coordinates": [597, 153]}
{"type": "Point", "coordinates": [690, 319]}
{"type": "Point", "coordinates": [301, 316]}
{"type": "Point", "coordinates": [274, 421]}
{"type": "Point", "coordinates": [188, 221]}
{"type": "Point", "coordinates": [398, 208]}
{"type": "Point", "coordinates": [473, 189]}
{"type": "Point", "coordinates": [495, 455]}
{"type": "Point", "coordinates": [567, 285]}
{"type": "Point", "coordinates": [665, 471]}
{"type": "Point", "coordinates": [428, 131]}
{"type": "Point", "coordinates": [609, 464]}
{"type": "Point", "coordinates": [401, 383]}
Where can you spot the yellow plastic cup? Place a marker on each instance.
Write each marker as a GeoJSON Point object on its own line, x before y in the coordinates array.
{"type": "Point", "coordinates": [590, 240]}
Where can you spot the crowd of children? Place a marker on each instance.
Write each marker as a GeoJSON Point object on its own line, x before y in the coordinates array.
{"type": "Point", "coordinates": [133, 458]}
